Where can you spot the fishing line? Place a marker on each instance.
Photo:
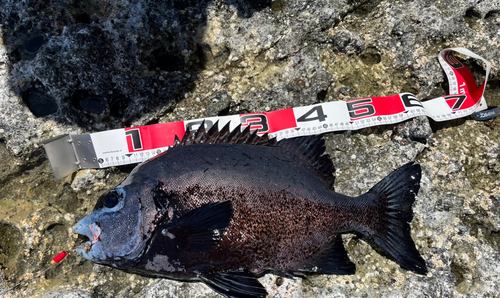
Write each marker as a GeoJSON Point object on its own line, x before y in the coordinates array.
{"type": "Point", "coordinates": [54, 261]}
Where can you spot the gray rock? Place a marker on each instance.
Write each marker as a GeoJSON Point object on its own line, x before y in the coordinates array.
{"type": "Point", "coordinates": [348, 42]}
{"type": "Point", "coordinates": [220, 104]}
{"type": "Point", "coordinates": [68, 294]}
{"type": "Point", "coordinates": [91, 66]}
{"type": "Point", "coordinates": [174, 289]}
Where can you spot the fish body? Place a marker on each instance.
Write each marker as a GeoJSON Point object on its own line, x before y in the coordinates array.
{"type": "Point", "coordinates": [226, 207]}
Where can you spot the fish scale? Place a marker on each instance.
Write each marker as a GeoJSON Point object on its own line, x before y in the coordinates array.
{"type": "Point", "coordinates": [224, 207]}
{"type": "Point", "coordinates": [281, 228]}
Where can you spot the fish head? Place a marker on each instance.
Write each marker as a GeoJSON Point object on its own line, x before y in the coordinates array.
{"type": "Point", "coordinates": [119, 227]}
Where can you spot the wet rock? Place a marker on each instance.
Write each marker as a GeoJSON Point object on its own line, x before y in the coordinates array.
{"type": "Point", "coordinates": [93, 104]}
{"type": "Point", "coordinates": [9, 246]}
{"type": "Point", "coordinates": [34, 43]}
{"type": "Point", "coordinates": [31, 46]}
{"type": "Point", "coordinates": [40, 104]}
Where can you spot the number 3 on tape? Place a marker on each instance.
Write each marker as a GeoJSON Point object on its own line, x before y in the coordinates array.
{"type": "Point", "coordinates": [256, 122]}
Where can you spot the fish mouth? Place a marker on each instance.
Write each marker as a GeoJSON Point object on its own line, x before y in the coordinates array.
{"type": "Point", "coordinates": [88, 236]}
{"type": "Point", "coordinates": [83, 243]}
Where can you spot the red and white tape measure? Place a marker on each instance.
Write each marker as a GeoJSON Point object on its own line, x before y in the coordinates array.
{"type": "Point", "coordinates": [117, 147]}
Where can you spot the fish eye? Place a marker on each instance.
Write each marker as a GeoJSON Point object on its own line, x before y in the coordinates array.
{"type": "Point", "coordinates": [110, 199]}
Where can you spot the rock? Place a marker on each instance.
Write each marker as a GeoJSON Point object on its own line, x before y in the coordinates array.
{"type": "Point", "coordinates": [417, 129]}
{"type": "Point", "coordinates": [95, 65]}
{"type": "Point", "coordinates": [85, 178]}
{"type": "Point", "coordinates": [175, 289]}
{"type": "Point", "coordinates": [68, 294]}
{"type": "Point", "coordinates": [40, 104]}
{"type": "Point", "coordinates": [348, 42]}
{"type": "Point", "coordinates": [219, 105]}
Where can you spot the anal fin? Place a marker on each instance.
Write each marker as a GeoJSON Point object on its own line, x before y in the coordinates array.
{"type": "Point", "coordinates": [332, 259]}
{"type": "Point", "coordinates": [239, 284]}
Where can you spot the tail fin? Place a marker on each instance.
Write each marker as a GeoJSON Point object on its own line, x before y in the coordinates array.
{"type": "Point", "coordinates": [394, 196]}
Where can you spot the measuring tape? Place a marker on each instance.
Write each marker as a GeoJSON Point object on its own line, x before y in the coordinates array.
{"type": "Point", "coordinates": [68, 153]}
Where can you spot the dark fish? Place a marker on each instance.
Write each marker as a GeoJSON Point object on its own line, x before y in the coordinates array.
{"type": "Point", "coordinates": [226, 207]}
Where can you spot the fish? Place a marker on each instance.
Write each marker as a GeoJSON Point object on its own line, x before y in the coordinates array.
{"type": "Point", "coordinates": [224, 207]}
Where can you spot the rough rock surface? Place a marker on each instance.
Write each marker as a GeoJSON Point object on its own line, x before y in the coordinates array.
{"type": "Point", "coordinates": [87, 66]}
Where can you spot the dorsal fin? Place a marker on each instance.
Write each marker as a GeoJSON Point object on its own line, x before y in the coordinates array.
{"type": "Point", "coordinates": [224, 136]}
{"type": "Point", "coordinates": [310, 150]}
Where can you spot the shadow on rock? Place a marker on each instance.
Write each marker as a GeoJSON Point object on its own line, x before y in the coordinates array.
{"type": "Point", "coordinates": [103, 64]}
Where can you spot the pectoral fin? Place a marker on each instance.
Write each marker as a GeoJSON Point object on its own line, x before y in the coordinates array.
{"type": "Point", "coordinates": [234, 284]}
{"type": "Point", "coordinates": [200, 229]}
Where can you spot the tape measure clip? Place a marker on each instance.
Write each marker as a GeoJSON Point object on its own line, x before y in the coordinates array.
{"type": "Point", "coordinates": [61, 155]}
{"type": "Point", "coordinates": [69, 153]}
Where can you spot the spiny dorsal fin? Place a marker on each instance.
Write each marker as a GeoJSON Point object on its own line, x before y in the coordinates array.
{"type": "Point", "coordinates": [311, 151]}
{"type": "Point", "coordinates": [307, 149]}
{"type": "Point", "coordinates": [224, 136]}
